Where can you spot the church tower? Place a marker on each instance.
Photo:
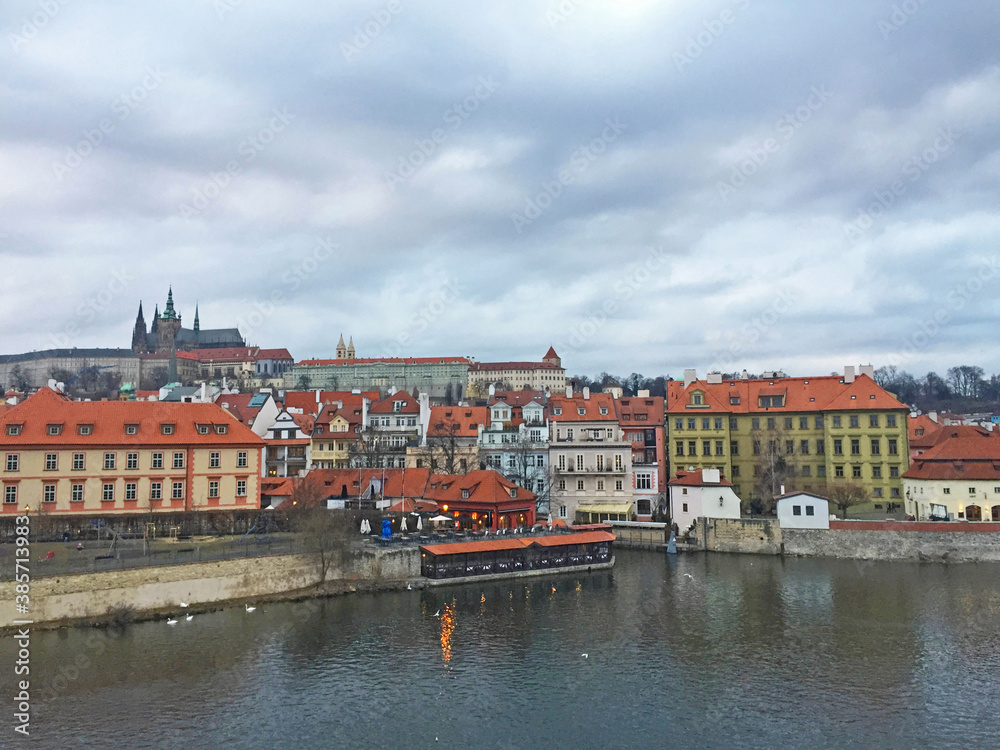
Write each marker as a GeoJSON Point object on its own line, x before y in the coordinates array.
{"type": "Point", "coordinates": [552, 358]}
{"type": "Point", "coordinates": [350, 348]}
{"type": "Point", "coordinates": [341, 349]}
{"type": "Point", "coordinates": [139, 334]}
{"type": "Point", "coordinates": [168, 324]}
{"type": "Point", "coordinates": [197, 325]}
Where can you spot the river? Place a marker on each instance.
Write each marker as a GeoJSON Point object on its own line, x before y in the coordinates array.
{"type": "Point", "coordinates": [708, 651]}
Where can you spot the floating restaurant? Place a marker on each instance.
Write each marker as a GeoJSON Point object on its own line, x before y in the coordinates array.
{"type": "Point", "coordinates": [517, 556]}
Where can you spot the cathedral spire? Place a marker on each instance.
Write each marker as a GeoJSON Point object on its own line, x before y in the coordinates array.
{"type": "Point", "coordinates": [197, 325]}
{"type": "Point", "coordinates": [139, 333]}
{"type": "Point", "coordinates": [341, 348]}
{"type": "Point", "coordinates": [156, 319]}
{"type": "Point", "coordinates": [168, 312]}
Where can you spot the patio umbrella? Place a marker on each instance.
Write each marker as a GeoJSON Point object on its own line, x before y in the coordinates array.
{"type": "Point", "coordinates": [402, 525]}
{"type": "Point", "coordinates": [420, 523]}
{"type": "Point", "coordinates": [441, 518]}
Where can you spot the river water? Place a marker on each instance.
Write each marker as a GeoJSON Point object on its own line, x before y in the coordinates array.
{"type": "Point", "coordinates": [707, 651]}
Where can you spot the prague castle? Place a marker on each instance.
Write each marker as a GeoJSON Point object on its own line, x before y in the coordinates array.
{"type": "Point", "coordinates": [166, 334]}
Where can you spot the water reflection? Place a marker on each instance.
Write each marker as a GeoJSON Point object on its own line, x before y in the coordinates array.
{"type": "Point", "coordinates": [447, 628]}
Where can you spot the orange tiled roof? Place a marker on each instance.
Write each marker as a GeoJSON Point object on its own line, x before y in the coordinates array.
{"type": "Point", "coordinates": [651, 407]}
{"type": "Point", "coordinates": [495, 545]}
{"type": "Point", "coordinates": [109, 419]}
{"type": "Point", "coordinates": [826, 393]}
{"type": "Point", "coordinates": [484, 486]}
{"type": "Point", "coordinates": [273, 354]}
{"type": "Point", "coordinates": [389, 360]}
{"type": "Point", "coordinates": [492, 366]}
{"type": "Point", "coordinates": [966, 455]}
{"type": "Point", "coordinates": [517, 398]}
{"type": "Point", "coordinates": [465, 418]}
{"type": "Point", "coordinates": [591, 408]}
{"type": "Point", "coordinates": [335, 481]}
{"type": "Point", "coordinates": [695, 479]}
{"type": "Point", "coordinates": [385, 406]}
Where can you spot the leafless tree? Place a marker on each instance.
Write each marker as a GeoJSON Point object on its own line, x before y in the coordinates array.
{"type": "Point", "coordinates": [845, 496]}
{"type": "Point", "coordinates": [326, 534]}
{"type": "Point", "coordinates": [370, 450]}
{"type": "Point", "coordinates": [773, 462]}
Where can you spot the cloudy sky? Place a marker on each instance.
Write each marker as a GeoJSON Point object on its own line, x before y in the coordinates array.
{"type": "Point", "coordinates": [646, 185]}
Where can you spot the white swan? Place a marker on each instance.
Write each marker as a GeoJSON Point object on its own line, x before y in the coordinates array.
{"type": "Point", "coordinates": [189, 618]}
{"type": "Point", "coordinates": [171, 622]}
{"type": "Point", "coordinates": [184, 604]}
{"type": "Point", "coordinates": [249, 608]}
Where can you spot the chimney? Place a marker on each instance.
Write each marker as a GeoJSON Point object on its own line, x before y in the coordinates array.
{"type": "Point", "coordinates": [569, 390]}
{"type": "Point", "coordinates": [744, 375]}
{"type": "Point", "coordinates": [782, 489]}
{"type": "Point", "coordinates": [690, 375]}
{"type": "Point", "coordinates": [586, 393]}
{"type": "Point", "coordinates": [868, 370]}
{"type": "Point", "coordinates": [714, 378]}
{"type": "Point", "coordinates": [493, 389]}
{"type": "Point", "coordinates": [849, 374]}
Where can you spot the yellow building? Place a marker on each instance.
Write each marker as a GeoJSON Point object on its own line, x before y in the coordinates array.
{"type": "Point", "coordinates": [809, 434]}
{"type": "Point", "coordinates": [64, 456]}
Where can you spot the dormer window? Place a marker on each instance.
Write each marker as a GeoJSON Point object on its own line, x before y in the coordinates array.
{"type": "Point", "coordinates": [85, 429]}
{"type": "Point", "coordinates": [465, 494]}
{"type": "Point", "coordinates": [556, 410]}
{"type": "Point", "coordinates": [734, 400]}
{"type": "Point", "coordinates": [697, 399]}
{"type": "Point", "coordinates": [55, 429]}
{"type": "Point", "coordinates": [513, 491]}
{"type": "Point", "coordinates": [397, 406]}
{"type": "Point", "coordinates": [166, 429]}
{"type": "Point", "coordinates": [131, 429]}
{"type": "Point", "coordinates": [221, 429]}
{"type": "Point", "coordinates": [604, 410]}
{"type": "Point", "coordinates": [203, 429]}
{"type": "Point", "coordinates": [581, 410]}
{"type": "Point", "coordinates": [13, 429]}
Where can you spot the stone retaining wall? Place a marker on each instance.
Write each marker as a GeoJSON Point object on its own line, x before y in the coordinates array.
{"type": "Point", "coordinates": [888, 544]}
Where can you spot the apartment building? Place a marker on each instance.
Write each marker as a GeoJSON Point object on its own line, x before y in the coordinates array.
{"type": "Point", "coordinates": [64, 456]}
{"type": "Point", "coordinates": [811, 434]}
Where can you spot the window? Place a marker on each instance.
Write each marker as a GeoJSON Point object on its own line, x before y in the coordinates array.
{"type": "Point", "coordinates": [157, 461]}
{"type": "Point", "coordinates": [718, 448]}
{"type": "Point", "coordinates": [894, 492]}
{"type": "Point", "coordinates": [155, 490]}
{"type": "Point", "coordinates": [893, 449]}
{"type": "Point", "coordinates": [756, 447]}
{"type": "Point", "coordinates": [789, 447]}
{"type": "Point", "coordinates": [856, 472]}
{"type": "Point", "coordinates": [684, 507]}
{"type": "Point", "coordinates": [873, 420]}
{"type": "Point", "coordinates": [562, 484]}
{"type": "Point", "coordinates": [877, 491]}
{"type": "Point", "coordinates": [569, 433]}
{"type": "Point", "coordinates": [806, 471]}
{"type": "Point", "coordinates": [836, 421]}
{"type": "Point", "coordinates": [755, 423]}
{"type": "Point", "coordinates": [680, 447]}
{"type": "Point", "coordinates": [618, 485]}
{"type": "Point", "coordinates": [838, 447]}
{"type": "Point", "coordinates": [706, 447]}
{"type": "Point", "coordinates": [110, 459]}
{"type": "Point", "coordinates": [705, 422]}
{"type": "Point", "coordinates": [10, 493]}
{"type": "Point", "coordinates": [972, 490]}
{"type": "Point", "coordinates": [581, 410]}
{"type": "Point", "coordinates": [734, 400]}
{"type": "Point", "coordinates": [821, 471]}
{"type": "Point", "coordinates": [600, 463]}
{"type": "Point", "coordinates": [618, 462]}
{"type": "Point", "coordinates": [76, 493]}
{"type": "Point", "coordinates": [213, 488]}
{"type": "Point", "coordinates": [177, 493]}
{"type": "Point", "coordinates": [213, 460]}
{"type": "Point", "coordinates": [890, 420]}
{"type": "Point", "coordinates": [718, 423]}
{"type": "Point", "coordinates": [803, 423]}
{"type": "Point", "coordinates": [557, 410]}
{"type": "Point", "coordinates": [876, 446]}
{"type": "Point", "coordinates": [203, 429]}
{"type": "Point", "coordinates": [810, 510]}
{"type": "Point", "coordinates": [796, 510]}
{"type": "Point", "coordinates": [178, 460]}
{"type": "Point", "coordinates": [221, 429]}
{"type": "Point", "coordinates": [49, 493]}
{"type": "Point", "coordinates": [855, 447]}
{"type": "Point", "coordinates": [819, 422]}
{"type": "Point", "coordinates": [946, 490]}
{"type": "Point", "coordinates": [604, 410]}
{"type": "Point", "coordinates": [691, 423]}
{"type": "Point", "coordinates": [838, 471]}
{"type": "Point", "coordinates": [644, 481]}
{"type": "Point", "coordinates": [51, 461]}
{"type": "Point", "coordinates": [579, 462]}
{"type": "Point", "coordinates": [130, 490]}
{"type": "Point", "coordinates": [692, 447]}
{"type": "Point", "coordinates": [733, 422]}
{"type": "Point", "coordinates": [855, 421]}
{"type": "Point", "coordinates": [804, 447]}
{"type": "Point", "coordinates": [562, 511]}
{"type": "Point", "coordinates": [84, 429]}
{"type": "Point", "coordinates": [166, 429]}
{"type": "Point", "coordinates": [13, 429]}
{"type": "Point", "coordinates": [893, 472]}
{"type": "Point", "coordinates": [736, 472]}
{"type": "Point", "coordinates": [241, 488]}
{"type": "Point", "coordinates": [600, 485]}
{"type": "Point", "coordinates": [55, 429]}
{"type": "Point", "coordinates": [876, 472]}
{"type": "Point", "coordinates": [820, 447]}
{"type": "Point", "coordinates": [771, 423]}
{"type": "Point", "coordinates": [131, 460]}
{"type": "Point", "coordinates": [561, 462]}
{"type": "Point", "coordinates": [678, 424]}
{"type": "Point", "coordinates": [579, 485]}
{"type": "Point", "coordinates": [734, 448]}
{"type": "Point", "coordinates": [131, 429]}
{"type": "Point", "coordinates": [109, 492]}
{"type": "Point", "coordinates": [13, 461]}
{"type": "Point", "coordinates": [788, 423]}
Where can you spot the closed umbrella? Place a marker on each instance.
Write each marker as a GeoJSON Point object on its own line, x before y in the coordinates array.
{"type": "Point", "coordinates": [402, 525]}
{"type": "Point", "coordinates": [420, 523]}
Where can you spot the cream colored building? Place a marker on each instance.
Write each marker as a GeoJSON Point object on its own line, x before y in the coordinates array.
{"type": "Point", "coordinates": [547, 375]}
{"type": "Point", "coordinates": [64, 456]}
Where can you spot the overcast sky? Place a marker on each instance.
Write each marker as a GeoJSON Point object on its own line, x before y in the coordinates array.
{"type": "Point", "coordinates": [646, 185]}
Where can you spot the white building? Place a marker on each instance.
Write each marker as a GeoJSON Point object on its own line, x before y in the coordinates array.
{"type": "Point", "coordinates": [590, 460]}
{"type": "Point", "coordinates": [701, 493]}
{"type": "Point", "coordinates": [958, 479]}
{"type": "Point", "coordinates": [803, 510]}
{"type": "Point", "coordinates": [515, 443]}
{"type": "Point", "coordinates": [287, 445]}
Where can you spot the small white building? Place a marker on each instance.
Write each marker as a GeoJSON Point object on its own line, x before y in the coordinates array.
{"type": "Point", "coordinates": [803, 510]}
{"type": "Point", "coordinates": [701, 493]}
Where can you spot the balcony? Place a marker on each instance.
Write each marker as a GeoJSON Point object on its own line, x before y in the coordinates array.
{"type": "Point", "coordinates": [590, 470]}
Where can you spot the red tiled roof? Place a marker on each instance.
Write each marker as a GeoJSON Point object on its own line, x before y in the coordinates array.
{"type": "Point", "coordinates": [491, 366]}
{"type": "Point", "coordinates": [592, 408]}
{"type": "Point", "coordinates": [484, 486]}
{"type": "Point", "coordinates": [694, 479]}
{"type": "Point", "coordinates": [306, 400]}
{"type": "Point", "coordinates": [273, 354]}
{"type": "Point", "coordinates": [651, 407]}
{"type": "Point", "coordinates": [968, 455]}
{"type": "Point", "coordinates": [335, 480]}
{"type": "Point", "coordinates": [388, 360]}
{"type": "Point", "coordinates": [227, 354]}
{"type": "Point", "coordinates": [457, 421]}
{"type": "Point", "coordinates": [385, 406]}
{"type": "Point", "coordinates": [304, 421]}
{"type": "Point", "coordinates": [109, 418]}
{"type": "Point", "coordinates": [828, 393]}
{"type": "Point", "coordinates": [517, 398]}
{"type": "Point", "coordinates": [411, 506]}
{"type": "Point", "coordinates": [166, 356]}
{"type": "Point", "coordinates": [495, 545]}
{"type": "Point", "coordinates": [551, 354]}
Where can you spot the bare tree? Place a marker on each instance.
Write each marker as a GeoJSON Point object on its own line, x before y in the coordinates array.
{"type": "Point", "coordinates": [448, 447]}
{"type": "Point", "coordinates": [525, 470]}
{"type": "Point", "coordinates": [773, 462]}
{"type": "Point", "coordinates": [966, 380]}
{"type": "Point", "coordinates": [845, 496]}
{"type": "Point", "coordinates": [326, 534]}
{"type": "Point", "coordinates": [369, 451]}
